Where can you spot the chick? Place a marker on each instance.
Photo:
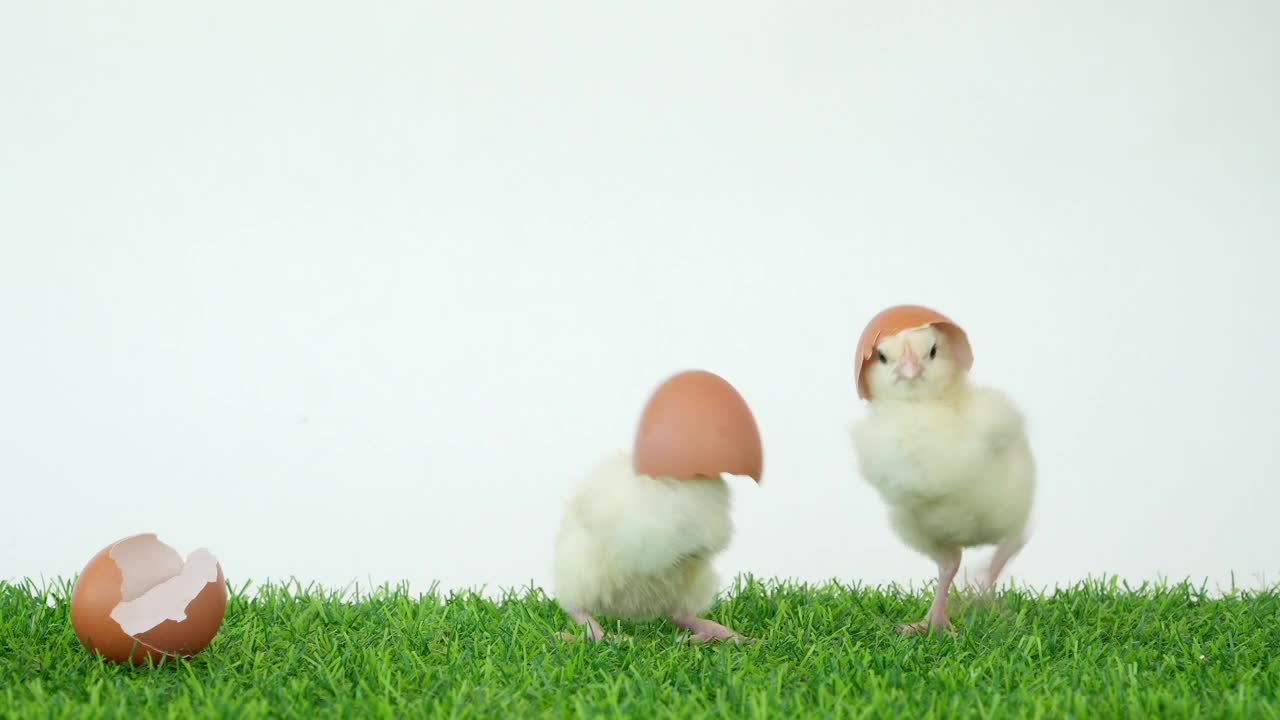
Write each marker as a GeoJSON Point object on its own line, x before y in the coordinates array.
{"type": "Point", "coordinates": [639, 535]}
{"type": "Point", "coordinates": [950, 459]}
{"type": "Point", "coordinates": [638, 547]}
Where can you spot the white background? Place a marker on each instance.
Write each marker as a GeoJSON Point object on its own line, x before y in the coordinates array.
{"type": "Point", "coordinates": [358, 292]}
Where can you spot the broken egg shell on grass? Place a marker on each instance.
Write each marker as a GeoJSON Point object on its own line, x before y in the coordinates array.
{"type": "Point", "coordinates": [137, 600]}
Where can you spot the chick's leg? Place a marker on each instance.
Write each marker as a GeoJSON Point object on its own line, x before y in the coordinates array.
{"type": "Point", "coordinates": [937, 619]}
{"type": "Point", "coordinates": [704, 630]}
{"type": "Point", "coordinates": [1004, 553]}
{"type": "Point", "coordinates": [594, 631]}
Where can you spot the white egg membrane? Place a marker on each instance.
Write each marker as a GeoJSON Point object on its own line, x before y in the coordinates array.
{"type": "Point", "coordinates": [158, 586]}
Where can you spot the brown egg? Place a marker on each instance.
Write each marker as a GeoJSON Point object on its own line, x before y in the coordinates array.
{"type": "Point", "coordinates": [696, 424]}
{"type": "Point", "coordinates": [137, 599]}
{"type": "Point", "coordinates": [894, 320]}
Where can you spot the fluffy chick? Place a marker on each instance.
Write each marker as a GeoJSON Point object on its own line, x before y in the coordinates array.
{"type": "Point", "coordinates": [638, 547]}
{"type": "Point", "coordinates": [949, 458]}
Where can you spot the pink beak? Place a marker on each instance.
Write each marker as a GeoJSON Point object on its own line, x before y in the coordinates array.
{"type": "Point", "coordinates": [908, 367]}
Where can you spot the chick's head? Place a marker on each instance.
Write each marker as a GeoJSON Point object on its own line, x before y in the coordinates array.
{"type": "Point", "coordinates": [915, 364]}
{"type": "Point", "coordinates": [911, 352]}
{"type": "Point", "coordinates": [696, 425]}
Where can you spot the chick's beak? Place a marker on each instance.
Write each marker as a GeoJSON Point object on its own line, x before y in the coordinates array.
{"type": "Point", "coordinates": [908, 367]}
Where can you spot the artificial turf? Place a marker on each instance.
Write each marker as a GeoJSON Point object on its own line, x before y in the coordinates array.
{"type": "Point", "coordinates": [1100, 649]}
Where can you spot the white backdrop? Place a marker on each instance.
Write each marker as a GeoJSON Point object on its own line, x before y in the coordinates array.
{"type": "Point", "coordinates": [357, 292]}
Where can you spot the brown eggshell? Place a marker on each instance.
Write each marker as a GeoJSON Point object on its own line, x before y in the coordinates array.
{"type": "Point", "coordinates": [204, 617]}
{"type": "Point", "coordinates": [98, 591]}
{"type": "Point", "coordinates": [95, 595]}
{"type": "Point", "coordinates": [891, 321]}
{"type": "Point", "coordinates": [696, 424]}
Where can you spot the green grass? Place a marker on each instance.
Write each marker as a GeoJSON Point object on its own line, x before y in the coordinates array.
{"type": "Point", "coordinates": [1100, 649]}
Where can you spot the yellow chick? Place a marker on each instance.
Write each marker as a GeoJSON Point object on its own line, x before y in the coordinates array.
{"type": "Point", "coordinates": [639, 535]}
{"type": "Point", "coordinates": [638, 547]}
{"type": "Point", "coordinates": [950, 459]}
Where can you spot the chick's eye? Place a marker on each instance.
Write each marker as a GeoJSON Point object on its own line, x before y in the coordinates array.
{"type": "Point", "coordinates": [933, 351]}
{"type": "Point", "coordinates": [881, 356]}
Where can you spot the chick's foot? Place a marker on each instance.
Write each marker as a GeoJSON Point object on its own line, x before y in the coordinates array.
{"type": "Point", "coordinates": [936, 618]}
{"type": "Point", "coordinates": [593, 629]}
{"type": "Point", "coordinates": [935, 624]}
{"type": "Point", "coordinates": [705, 630]}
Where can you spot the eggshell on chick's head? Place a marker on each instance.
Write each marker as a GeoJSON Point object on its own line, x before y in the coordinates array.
{"type": "Point", "coordinates": [891, 321]}
{"type": "Point", "coordinates": [696, 424]}
{"type": "Point", "coordinates": [136, 599]}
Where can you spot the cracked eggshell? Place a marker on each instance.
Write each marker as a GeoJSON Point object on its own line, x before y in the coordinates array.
{"type": "Point", "coordinates": [137, 599]}
{"type": "Point", "coordinates": [696, 424]}
{"type": "Point", "coordinates": [891, 321]}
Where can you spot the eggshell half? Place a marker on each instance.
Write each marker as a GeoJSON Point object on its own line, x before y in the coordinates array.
{"type": "Point", "coordinates": [696, 424]}
{"type": "Point", "coordinates": [137, 600]}
{"type": "Point", "coordinates": [891, 321]}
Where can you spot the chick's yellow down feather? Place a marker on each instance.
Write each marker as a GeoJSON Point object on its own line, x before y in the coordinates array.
{"type": "Point", "coordinates": [956, 472]}
{"type": "Point", "coordinates": [639, 547]}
